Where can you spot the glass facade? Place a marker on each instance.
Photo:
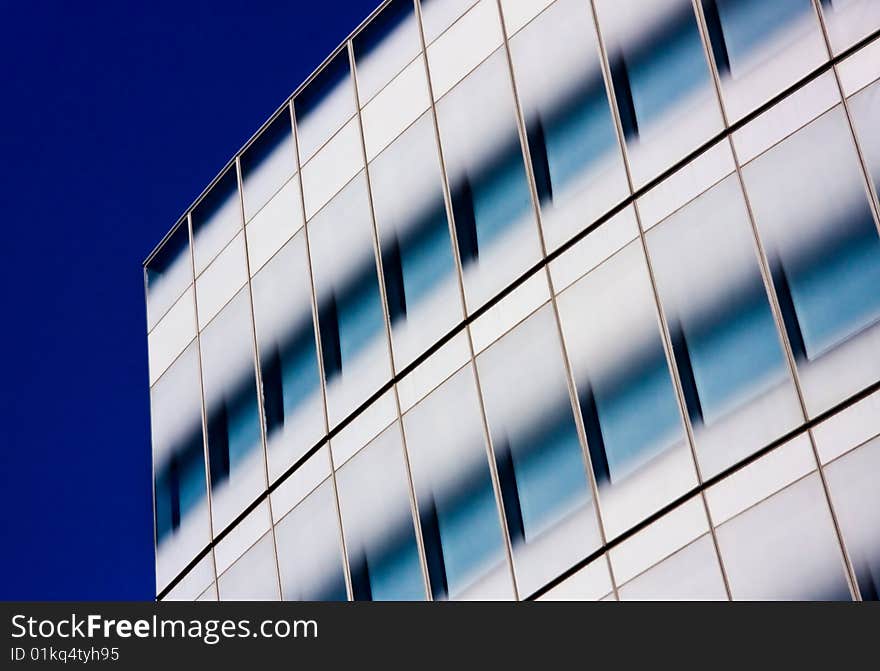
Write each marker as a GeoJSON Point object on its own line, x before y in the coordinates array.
{"type": "Point", "coordinates": [509, 289]}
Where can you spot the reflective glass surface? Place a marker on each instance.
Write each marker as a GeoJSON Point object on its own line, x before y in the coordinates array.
{"type": "Point", "coordinates": [540, 463]}
{"type": "Point", "coordinates": [385, 46]}
{"type": "Point", "coordinates": [324, 105]}
{"type": "Point", "coordinates": [354, 345]}
{"type": "Point", "coordinates": [292, 399]}
{"type": "Point", "coordinates": [310, 549]}
{"type": "Point", "coordinates": [637, 444]}
{"type": "Point", "coordinates": [216, 219]}
{"type": "Point", "coordinates": [458, 513]}
{"type": "Point", "coordinates": [168, 274]}
{"type": "Point", "coordinates": [267, 164]}
{"type": "Point", "coordinates": [734, 376]}
{"type": "Point", "coordinates": [665, 98]}
{"type": "Point", "coordinates": [784, 548]}
{"type": "Point", "coordinates": [235, 451]}
{"type": "Point", "coordinates": [421, 284]}
{"type": "Point", "coordinates": [377, 522]}
{"type": "Point", "coordinates": [180, 486]}
{"type": "Point", "coordinates": [576, 159]}
{"type": "Point", "coordinates": [852, 483]}
{"type": "Point", "coordinates": [809, 198]}
{"type": "Point", "coordinates": [761, 47]}
{"type": "Point", "coordinates": [494, 219]}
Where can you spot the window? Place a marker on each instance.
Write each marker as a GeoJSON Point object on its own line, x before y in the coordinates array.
{"type": "Point", "coordinates": [808, 195]}
{"type": "Point", "coordinates": [665, 97]}
{"type": "Point", "coordinates": [235, 454]}
{"type": "Point", "coordinates": [351, 320]}
{"type": "Point", "coordinates": [458, 512]}
{"type": "Point", "coordinates": [180, 494]}
{"type": "Point", "coordinates": [292, 399]}
{"type": "Point", "coordinates": [538, 456]}
{"type": "Point", "coordinates": [734, 376]}
{"type": "Point", "coordinates": [638, 448]}
{"type": "Point", "coordinates": [492, 209]}
{"type": "Point", "coordinates": [576, 159]}
{"type": "Point", "coordinates": [377, 522]}
{"type": "Point", "coordinates": [421, 283]}
{"type": "Point", "coordinates": [310, 549]}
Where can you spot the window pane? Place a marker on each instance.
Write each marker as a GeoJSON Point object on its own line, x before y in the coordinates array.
{"type": "Point", "coordinates": [181, 495]}
{"type": "Point", "coordinates": [421, 284]}
{"type": "Point", "coordinates": [691, 574]}
{"type": "Point", "coordinates": [216, 219]}
{"type": "Point", "coordinates": [377, 522]}
{"type": "Point", "coordinates": [324, 105]}
{"type": "Point", "coordinates": [438, 15]}
{"type": "Point", "coordinates": [494, 220]}
{"type": "Point", "coordinates": [640, 457]}
{"type": "Point", "coordinates": [292, 402]}
{"type": "Point", "coordinates": [350, 316]}
{"type": "Point", "coordinates": [784, 548]}
{"type": "Point", "coordinates": [253, 577]}
{"type": "Point", "coordinates": [310, 551]}
{"type": "Point", "coordinates": [736, 382]}
{"type": "Point", "coordinates": [538, 455]}
{"type": "Point", "coordinates": [809, 200]}
{"type": "Point", "coordinates": [848, 21]}
{"type": "Point", "coordinates": [168, 274]}
{"type": "Point", "coordinates": [235, 454]}
{"type": "Point", "coordinates": [267, 164]}
{"type": "Point", "coordinates": [458, 512]}
{"type": "Point", "coordinates": [667, 103]}
{"type": "Point", "coordinates": [575, 155]}
{"type": "Point", "coordinates": [864, 107]}
{"type": "Point", "coordinates": [760, 48]}
{"type": "Point", "coordinates": [852, 482]}
{"type": "Point", "coordinates": [384, 47]}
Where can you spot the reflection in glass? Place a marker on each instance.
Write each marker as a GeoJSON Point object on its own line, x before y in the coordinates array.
{"type": "Point", "coordinates": [761, 47]}
{"type": "Point", "coordinates": [784, 548]}
{"type": "Point", "coordinates": [640, 457]}
{"type": "Point", "coordinates": [852, 483]}
{"type": "Point", "coordinates": [809, 199]}
{"type": "Point", "coordinates": [438, 15]}
{"type": "Point", "coordinates": [267, 164]}
{"type": "Point", "coordinates": [292, 403]}
{"type": "Point", "coordinates": [735, 379]}
{"type": "Point", "coordinates": [180, 494]}
{"type": "Point", "coordinates": [458, 512]}
{"type": "Point", "coordinates": [420, 281]}
{"type": "Point", "coordinates": [324, 105]}
{"type": "Point", "coordinates": [310, 551]}
{"type": "Point", "coordinates": [864, 108]}
{"type": "Point", "coordinates": [575, 156]}
{"type": "Point", "coordinates": [168, 274]}
{"type": "Point", "coordinates": [216, 219]}
{"type": "Point", "coordinates": [377, 523]}
{"type": "Point", "coordinates": [662, 85]}
{"type": "Point", "coordinates": [254, 576]}
{"type": "Point", "coordinates": [235, 455]}
{"type": "Point", "coordinates": [690, 574]}
{"type": "Point", "coordinates": [354, 347]}
{"type": "Point", "coordinates": [848, 21]}
{"type": "Point", "coordinates": [538, 455]}
{"type": "Point", "coordinates": [494, 220]}
{"type": "Point", "coordinates": [384, 47]}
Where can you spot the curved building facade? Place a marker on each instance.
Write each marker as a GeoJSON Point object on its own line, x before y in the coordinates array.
{"type": "Point", "coordinates": [522, 299]}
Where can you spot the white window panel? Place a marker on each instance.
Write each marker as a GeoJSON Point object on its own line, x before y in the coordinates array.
{"type": "Point", "coordinates": [221, 280]}
{"type": "Point", "coordinates": [171, 335]}
{"type": "Point", "coordinates": [464, 46]}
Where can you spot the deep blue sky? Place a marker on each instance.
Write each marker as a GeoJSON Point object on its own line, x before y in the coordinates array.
{"type": "Point", "coordinates": [114, 116]}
